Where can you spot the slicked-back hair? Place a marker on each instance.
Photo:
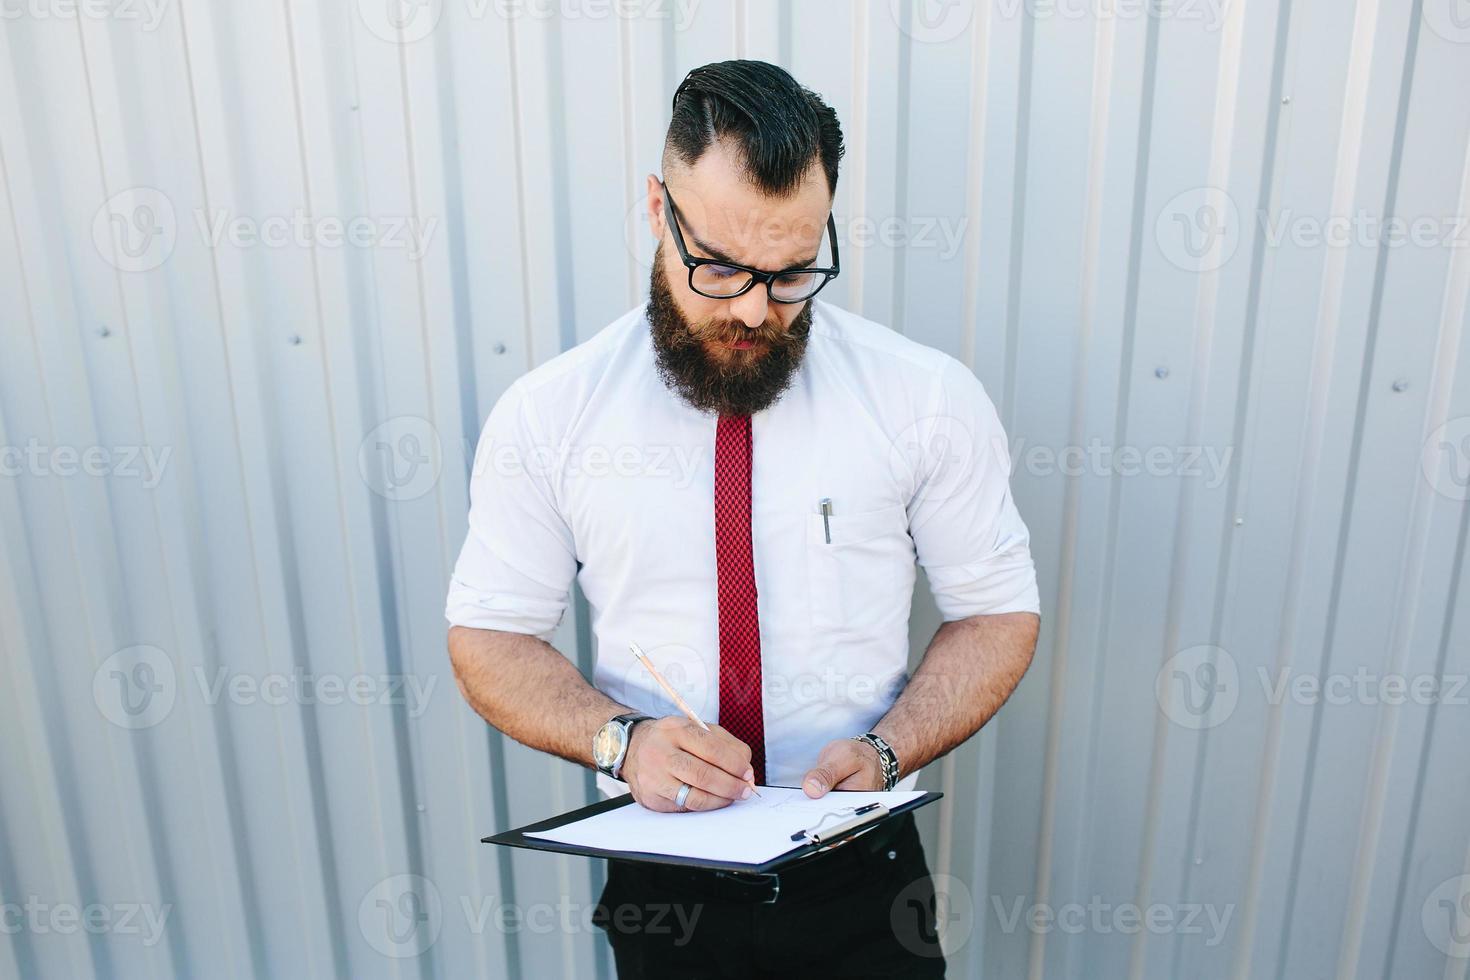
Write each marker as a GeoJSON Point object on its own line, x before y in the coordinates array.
{"type": "Point", "coordinates": [780, 127]}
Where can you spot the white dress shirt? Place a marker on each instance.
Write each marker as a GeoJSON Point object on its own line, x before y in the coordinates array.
{"type": "Point", "coordinates": [591, 467]}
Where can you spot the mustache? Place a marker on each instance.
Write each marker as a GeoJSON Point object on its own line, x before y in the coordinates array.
{"type": "Point", "coordinates": [729, 331]}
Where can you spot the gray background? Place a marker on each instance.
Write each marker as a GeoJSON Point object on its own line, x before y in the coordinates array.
{"type": "Point", "coordinates": [1153, 234]}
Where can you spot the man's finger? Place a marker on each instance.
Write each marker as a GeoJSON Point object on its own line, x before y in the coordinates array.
{"type": "Point", "coordinates": [717, 747]}
{"type": "Point", "coordinates": [857, 781]}
{"type": "Point", "coordinates": [658, 804]}
{"type": "Point", "coordinates": [697, 799]}
{"type": "Point", "coordinates": [706, 776]}
{"type": "Point", "coordinates": [835, 765]}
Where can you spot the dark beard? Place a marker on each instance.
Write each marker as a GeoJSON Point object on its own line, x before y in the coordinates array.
{"type": "Point", "coordinates": [744, 384]}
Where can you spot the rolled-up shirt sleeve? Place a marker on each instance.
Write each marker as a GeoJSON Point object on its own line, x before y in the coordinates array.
{"type": "Point", "coordinates": [968, 535]}
{"type": "Point", "coordinates": [516, 567]}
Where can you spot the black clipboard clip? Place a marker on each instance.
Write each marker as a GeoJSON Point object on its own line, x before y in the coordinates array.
{"type": "Point", "coordinates": [857, 817]}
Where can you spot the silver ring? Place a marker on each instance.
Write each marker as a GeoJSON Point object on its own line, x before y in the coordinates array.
{"type": "Point", "coordinates": [682, 796]}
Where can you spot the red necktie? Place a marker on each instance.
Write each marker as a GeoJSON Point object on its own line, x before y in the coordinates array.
{"type": "Point", "coordinates": [740, 635]}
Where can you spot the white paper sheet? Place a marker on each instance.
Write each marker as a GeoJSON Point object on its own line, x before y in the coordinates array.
{"type": "Point", "coordinates": [749, 831]}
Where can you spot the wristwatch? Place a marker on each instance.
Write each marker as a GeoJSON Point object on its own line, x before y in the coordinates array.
{"type": "Point", "coordinates": [610, 744]}
{"type": "Point", "coordinates": [887, 758]}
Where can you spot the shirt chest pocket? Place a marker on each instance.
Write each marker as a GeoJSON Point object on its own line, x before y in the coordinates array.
{"type": "Point", "coordinates": [860, 570]}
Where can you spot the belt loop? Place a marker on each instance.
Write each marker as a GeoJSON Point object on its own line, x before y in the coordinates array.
{"type": "Point", "coordinates": [770, 878]}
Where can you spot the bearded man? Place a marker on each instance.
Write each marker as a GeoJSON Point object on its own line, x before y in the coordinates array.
{"type": "Point", "coordinates": [742, 478]}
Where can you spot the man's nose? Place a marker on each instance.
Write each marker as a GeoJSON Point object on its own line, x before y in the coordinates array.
{"type": "Point", "coordinates": [752, 308]}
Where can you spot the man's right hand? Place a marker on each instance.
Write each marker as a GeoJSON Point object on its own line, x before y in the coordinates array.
{"type": "Point", "coordinates": [667, 752]}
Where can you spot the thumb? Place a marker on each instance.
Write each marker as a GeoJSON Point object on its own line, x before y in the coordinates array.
{"type": "Point", "coordinates": [818, 782]}
{"type": "Point", "coordinates": [828, 772]}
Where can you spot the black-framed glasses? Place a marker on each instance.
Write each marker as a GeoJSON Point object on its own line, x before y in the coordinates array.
{"type": "Point", "coordinates": [720, 279]}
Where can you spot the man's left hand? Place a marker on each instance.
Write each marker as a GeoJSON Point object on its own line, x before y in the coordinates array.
{"type": "Point", "coordinates": [844, 764]}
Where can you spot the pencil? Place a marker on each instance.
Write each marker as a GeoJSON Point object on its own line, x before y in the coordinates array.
{"type": "Point", "coordinates": [669, 690]}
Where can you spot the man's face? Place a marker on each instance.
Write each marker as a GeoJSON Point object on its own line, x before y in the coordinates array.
{"type": "Point", "coordinates": [735, 355]}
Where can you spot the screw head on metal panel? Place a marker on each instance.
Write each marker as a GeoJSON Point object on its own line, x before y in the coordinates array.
{"type": "Point", "coordinates": [1161, 373]}
{"type": "Point", "coordinates": [499, 348]}
{"type": "Point", "coordinates": [104, 332]}
{"type": "Point", "coordinates": [1239, 521]}
{"type": "Point", "coordinates": [294, 340]}
{"type": "Point", "coordinates": [1286, 100]}
{"type": "Point", "coordinates": [1402, 384]}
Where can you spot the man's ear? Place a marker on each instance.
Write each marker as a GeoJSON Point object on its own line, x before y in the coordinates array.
{"type": "Point", "coordinates": [655, 193]}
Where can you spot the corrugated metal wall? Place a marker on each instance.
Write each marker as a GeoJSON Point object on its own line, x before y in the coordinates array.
{"type": "Point", "coordinates": [265, 267]}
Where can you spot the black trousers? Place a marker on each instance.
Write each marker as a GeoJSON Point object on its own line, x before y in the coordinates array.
{"type": "Point", "coordinates": [864, 909]}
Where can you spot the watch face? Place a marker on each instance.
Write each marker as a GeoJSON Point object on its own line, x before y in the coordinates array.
{"type": "Point", "coordinates": [607, 743]}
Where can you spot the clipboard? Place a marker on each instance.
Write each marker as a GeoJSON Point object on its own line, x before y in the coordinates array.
{"type": "Point", "coordinates": [830, 837]}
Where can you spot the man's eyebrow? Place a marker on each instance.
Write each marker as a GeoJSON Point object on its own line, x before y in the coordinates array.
{"type": "Point", "coordinates": [718, 254]}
